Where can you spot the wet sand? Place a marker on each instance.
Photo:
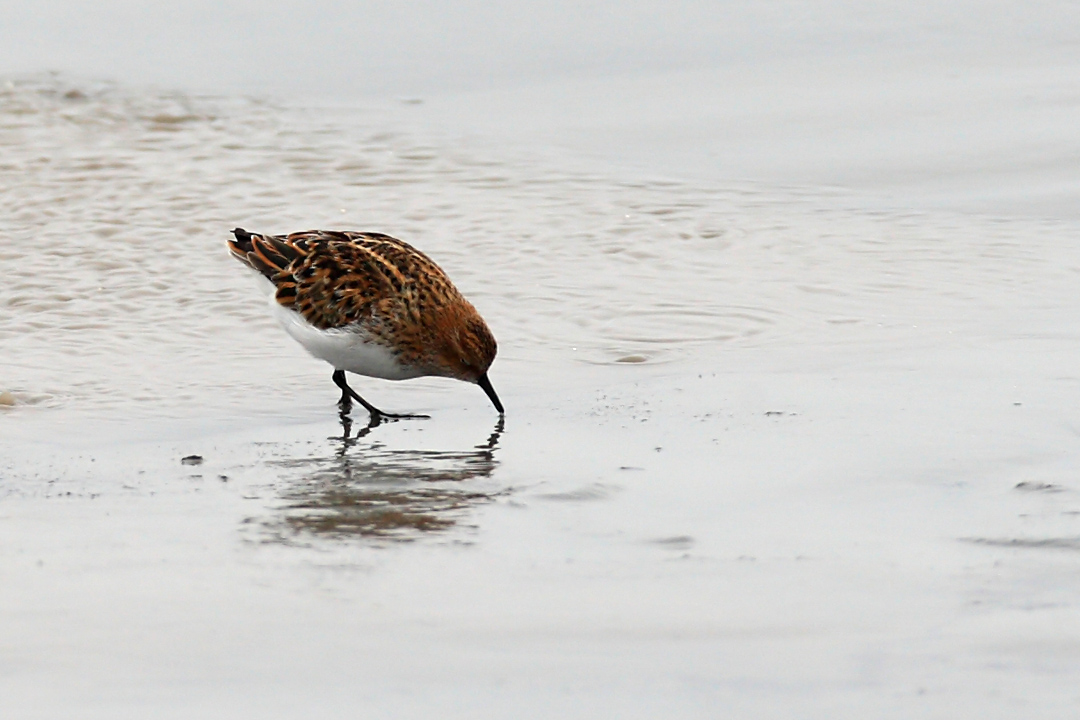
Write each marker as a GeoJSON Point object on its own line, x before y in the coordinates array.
{"type": "Point", "coordinates": [669, 544]}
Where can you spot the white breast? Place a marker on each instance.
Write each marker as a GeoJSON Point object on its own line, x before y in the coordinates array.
{"type": "Point", "coordinates": [349, 350]}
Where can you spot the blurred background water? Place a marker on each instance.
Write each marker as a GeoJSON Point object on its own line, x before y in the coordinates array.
{"type": "Point", "coordinates": [120, 298]}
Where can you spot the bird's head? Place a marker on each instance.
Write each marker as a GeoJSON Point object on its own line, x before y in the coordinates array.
{"type": "Point", "coordinates": [469, 349]}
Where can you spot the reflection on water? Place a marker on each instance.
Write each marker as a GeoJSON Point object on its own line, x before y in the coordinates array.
{"type": "Point", "coordinates": [365, 489]}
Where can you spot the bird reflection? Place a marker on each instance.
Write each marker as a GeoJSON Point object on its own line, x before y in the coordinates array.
{"type": "Point", "coordinates": [364, 489]}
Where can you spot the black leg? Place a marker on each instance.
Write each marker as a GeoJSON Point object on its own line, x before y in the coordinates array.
{"type": "Point", "coordinates": [346, 403]}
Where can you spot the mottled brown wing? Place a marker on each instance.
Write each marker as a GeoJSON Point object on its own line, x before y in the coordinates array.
{"type": "Point", "coordinates": [337, 283]}
{"type": "Point", "coordinates": [424, 287]}
{"type": "Point", "coordinates": [334, 279]}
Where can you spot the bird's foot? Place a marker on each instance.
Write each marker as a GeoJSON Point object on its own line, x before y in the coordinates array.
{"type": "Point", "coordinates": [399, 416]}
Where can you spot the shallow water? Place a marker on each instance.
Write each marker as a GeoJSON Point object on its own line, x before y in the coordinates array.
{"type": "Point", "coordinates": [746, 425]}
{"type": "Point", "coordinates": [124, 301]}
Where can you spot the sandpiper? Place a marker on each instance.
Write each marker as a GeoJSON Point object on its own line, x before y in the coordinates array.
{"type": "Point", "coordinates": [372, 305]}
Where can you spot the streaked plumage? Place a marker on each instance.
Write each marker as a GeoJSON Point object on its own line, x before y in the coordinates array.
{"type": "Point", "coordinates": [370, 304]}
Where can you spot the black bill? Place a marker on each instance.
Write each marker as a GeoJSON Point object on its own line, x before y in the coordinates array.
{"type": "Point", "coordinates": [486, 385]}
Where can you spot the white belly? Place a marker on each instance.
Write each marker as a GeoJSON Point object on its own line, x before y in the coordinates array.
{"type": "Point", "coordinates": [344, 349]}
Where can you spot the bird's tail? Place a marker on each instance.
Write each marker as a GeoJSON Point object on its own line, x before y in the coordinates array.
{"type": "Point", "coordinates": [268, 254]}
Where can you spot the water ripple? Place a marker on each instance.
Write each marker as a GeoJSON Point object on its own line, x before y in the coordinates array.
{"type": "Point", "coordinates": [116, 205]}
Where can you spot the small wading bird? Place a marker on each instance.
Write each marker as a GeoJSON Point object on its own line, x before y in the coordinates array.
{"type": "Point", "coordinates": [372, 305]}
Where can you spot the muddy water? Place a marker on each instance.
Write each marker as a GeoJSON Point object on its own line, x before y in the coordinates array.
{"type": "Point", "coordinates": [745, 426]}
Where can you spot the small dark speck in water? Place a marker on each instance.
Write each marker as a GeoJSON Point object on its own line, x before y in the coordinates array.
{"type": "Point", "coordinates": [596, 491]}
{"type": "Point", "coordinates": [630, 467]}
{"type": "Point", "coordinates": [1039, 487]}
{"type": "Point", "coordinates": [170, 119]}
{"type": "Point", "coordinates": [191, 460]}
{"type": "Point", "coordinates": [223, 478]}
{"type": "Point", "coordinates": [632, 359]}
{"type": "Point", "coordinates": [773, 413]}
{"type": "Point", "coordinates": [677, 542]}
{"type": "Point", "coordinates": [1066, 543]}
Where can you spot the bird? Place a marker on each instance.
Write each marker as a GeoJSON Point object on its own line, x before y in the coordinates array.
{"type": "Point", "coordinates": [372, 305]}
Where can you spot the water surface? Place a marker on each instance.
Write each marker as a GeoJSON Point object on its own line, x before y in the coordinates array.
{"type": "Point", "coordinates": [747, 424]}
